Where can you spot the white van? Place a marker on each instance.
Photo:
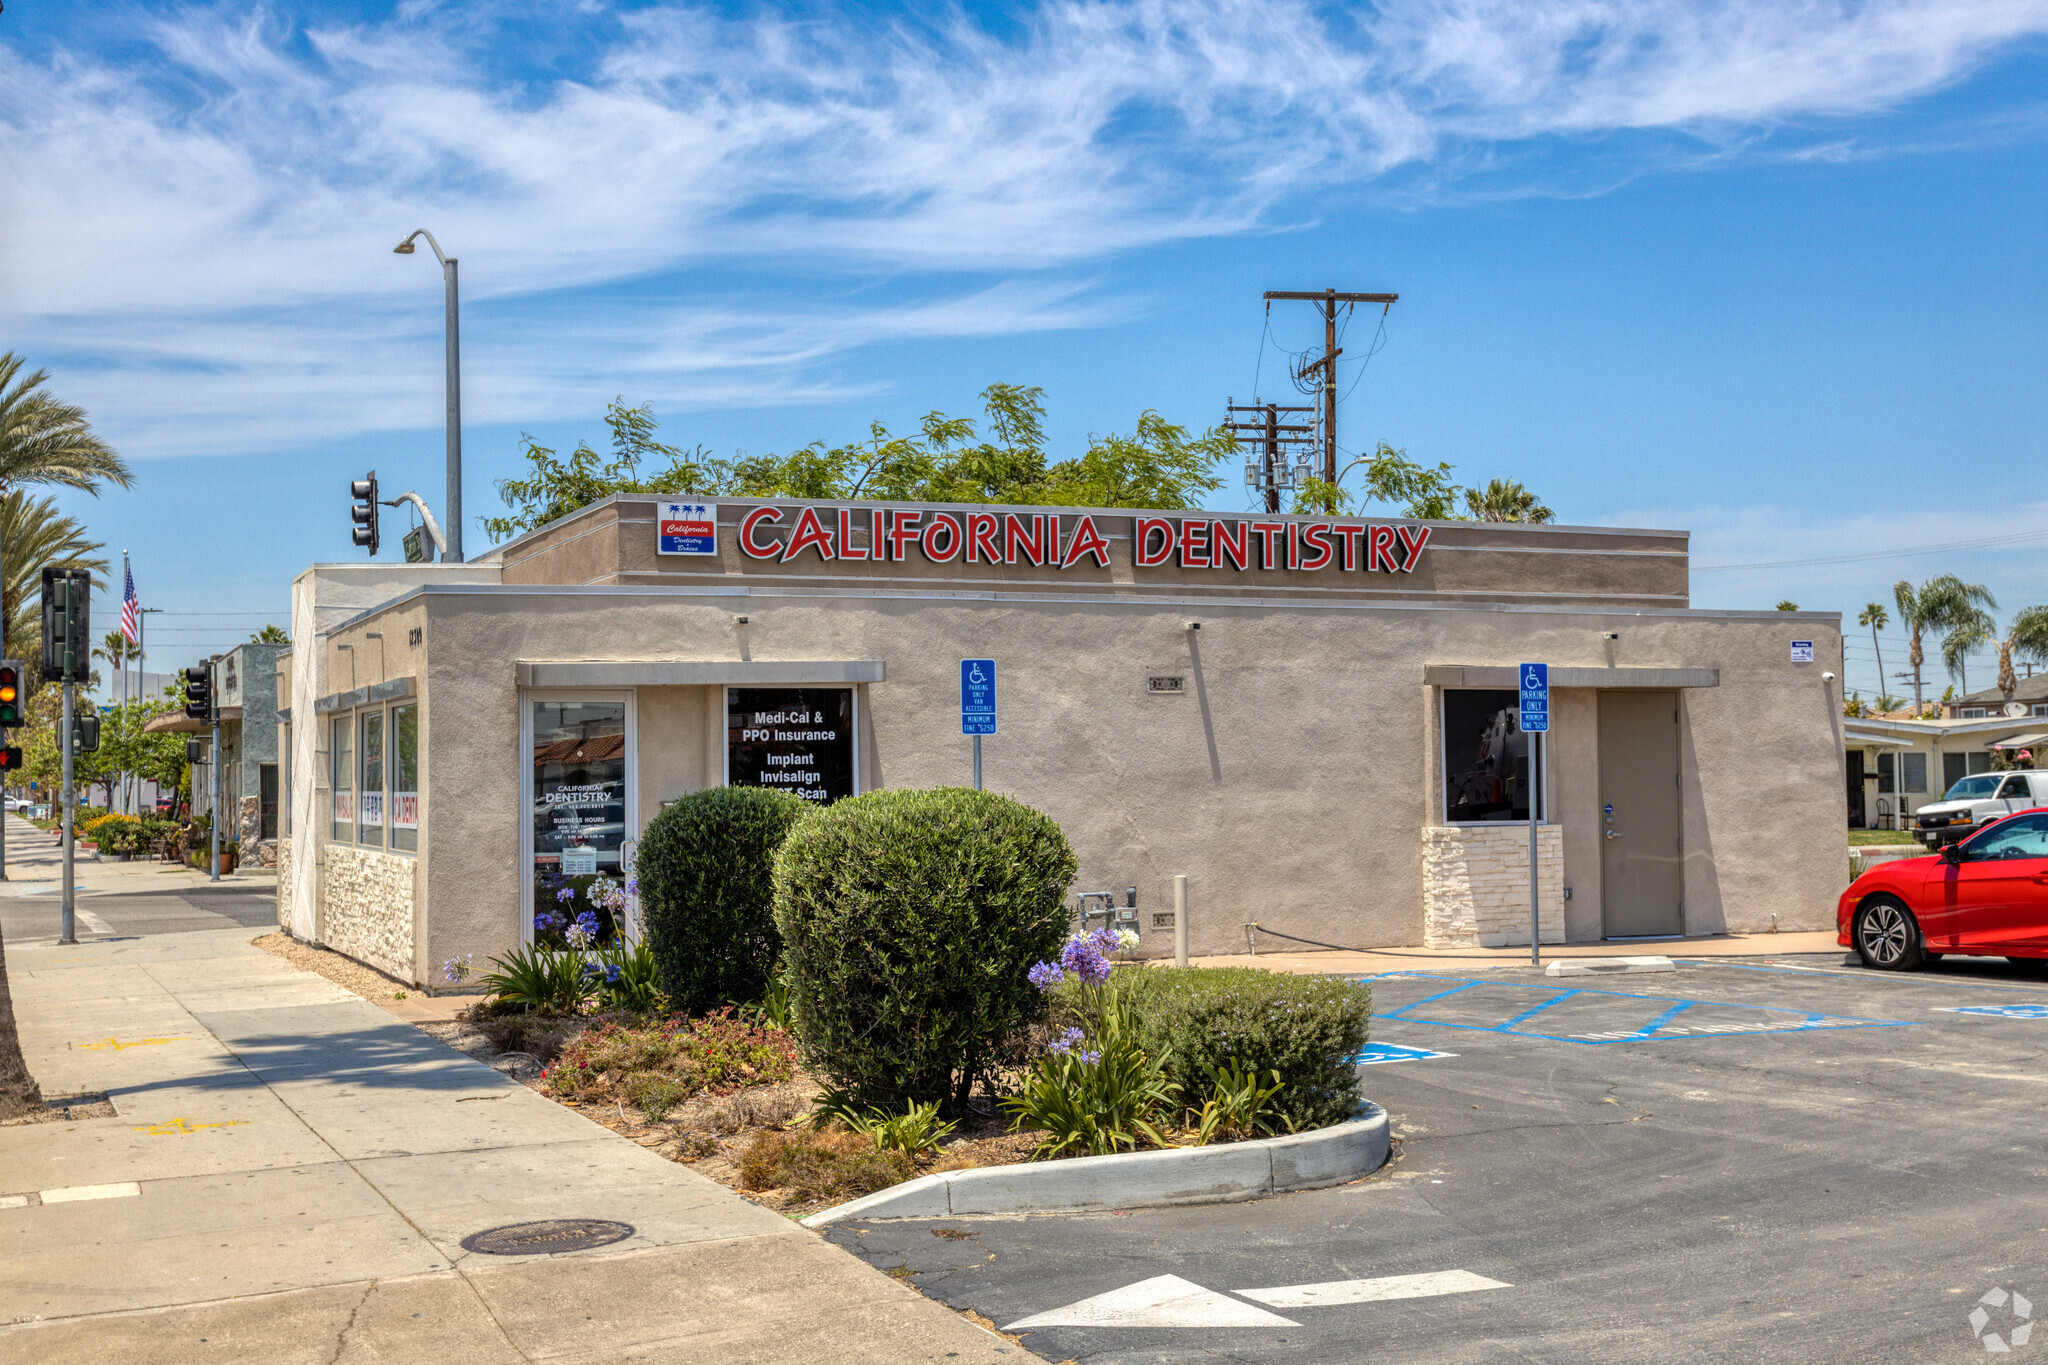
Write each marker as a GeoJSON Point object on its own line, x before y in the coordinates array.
{"type": "Point", "coordinates": [1975, 801]}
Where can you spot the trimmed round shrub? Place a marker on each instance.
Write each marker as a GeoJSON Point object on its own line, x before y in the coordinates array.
{"type": "Point", "coordinates": [706, 870]}
{"type": "Point", "coordinates": [909, 919]}
{"type": "Point", "coordinates": [1308, 1028]}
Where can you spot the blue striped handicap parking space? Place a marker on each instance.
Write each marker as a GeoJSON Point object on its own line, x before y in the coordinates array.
{"type": "Point", "coordinates": [1577, 1015]}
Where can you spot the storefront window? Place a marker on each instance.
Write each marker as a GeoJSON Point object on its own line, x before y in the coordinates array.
{"type": "Point", "coordinates": [341, 777]}
{"type": "Point", "coordinates": [797, 738]}
{"type": "Point", "coordinates": [370, 803]}
{"type": "Point", "coordinates": [579, 798]}
{"type": "Point", "coordinates": [1486, 757]}
{"type": "Point", "coordinates": [405, 777]}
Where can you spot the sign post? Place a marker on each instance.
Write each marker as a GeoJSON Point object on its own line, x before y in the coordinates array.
{"type": "Point", "coordinates": [1535, 689]}
{"type": "Point", "coordinates": [977, 705]}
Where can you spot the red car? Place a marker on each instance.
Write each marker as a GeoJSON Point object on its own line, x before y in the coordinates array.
{"type": "Point", "coordinates": [1985, 896]}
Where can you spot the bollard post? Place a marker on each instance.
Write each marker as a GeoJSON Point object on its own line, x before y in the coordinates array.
{"type": "Point", "coordinates": [1180, 920]}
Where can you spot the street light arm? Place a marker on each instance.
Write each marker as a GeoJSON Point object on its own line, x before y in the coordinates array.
{"type": "Point", "coordinates": [404, 248]}
{"type": "Point", "coordinates": [427, 516]}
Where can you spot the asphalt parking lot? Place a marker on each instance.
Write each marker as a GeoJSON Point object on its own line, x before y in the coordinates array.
{"type": "Point", "coordinates": [1785, 1160]}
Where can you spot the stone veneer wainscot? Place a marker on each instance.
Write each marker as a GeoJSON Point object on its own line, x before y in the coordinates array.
{"type": "Point", "coordinates": [1475, 885]}
{"type": "Point", "coordinates": [284, 885]}
{"type": "Point", "coordinates": [367, 897]}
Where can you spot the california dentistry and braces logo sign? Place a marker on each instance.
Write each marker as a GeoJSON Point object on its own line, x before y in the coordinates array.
{"type": "Point", "coordinates": [2002, 1320]}
{"type": "Point", "coordinates": [1060, 541]}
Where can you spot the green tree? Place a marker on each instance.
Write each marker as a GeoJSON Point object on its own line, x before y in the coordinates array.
{"type": "Point", "coordinates": [1158, 465]}
{"type": "Point", "coordinates": [272, 634]}
{"type": "Point", "coordinates": [1390, 476]}
{"type": "Point", "coordinates": [1506, 500]}
{"type": "Point", "coordinates": [2026, 639]}
{"type": "Point", "coordinates": [1787, 604]}
{"type": "Point", "coordinates": [1876, 618]}
{"type": "Point", "coordinates": [1940, 604]}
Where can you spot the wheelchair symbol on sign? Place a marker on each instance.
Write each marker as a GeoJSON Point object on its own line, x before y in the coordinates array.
{"type": "Point", "coordinates": [1532, 683]}
{"type": "Point", "coordinates": [975, 676]}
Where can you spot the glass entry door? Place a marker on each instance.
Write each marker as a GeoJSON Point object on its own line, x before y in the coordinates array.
{"type": "Point", "coordinates": [579, 796]}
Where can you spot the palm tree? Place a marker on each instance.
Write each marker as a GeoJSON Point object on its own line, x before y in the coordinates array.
{"type": "Point", "coordinates": [1787, 604]}
{"type": "Point", "coordinates": [45, 441]}
{"type": "Point", "coordinates": [1941, 603]}
{"type": "Point", "coordinates": [272, 634]}
{"type": "Point", "coordinates": [34, 534]}
{"type": "Point", "coordinates": [2027, 637]}
{"type": "Point", "coordinates": [1969, 633]}
{"type": "Point", "coordinates": [1877, 619]}
{"type": "Point", "coordinates": [41, 441]}
{"type": "Point", "coordinates": [1506, 500]}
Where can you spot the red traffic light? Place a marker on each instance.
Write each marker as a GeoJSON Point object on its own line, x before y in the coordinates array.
{"type": "Point", "coordinates": [10, 760]}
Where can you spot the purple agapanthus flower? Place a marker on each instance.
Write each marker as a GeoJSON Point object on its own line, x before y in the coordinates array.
{"type": "Point", "coordinates": [1065, 1042]}
{"type": "Point", "coordinates": [1084, 959]}
{"type": "Point", "coordinates": [611, 974]}
{"type": "Point", "coordinates": [546, 922]}
{"type": "Point", "coordinates": [1045, 975]}
{"type": "Point", "coordinates": [566, 894]}
{"type": "Point", "coordinates": [1089, 1058]}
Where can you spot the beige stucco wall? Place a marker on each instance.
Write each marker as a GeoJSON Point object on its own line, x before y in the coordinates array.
{"type": "Point", "coordinates": [1290, 783]}
{"type": "Point", "coordinates": [284, 884]}
{"type": "Point", "coordinates": [1475, 885]}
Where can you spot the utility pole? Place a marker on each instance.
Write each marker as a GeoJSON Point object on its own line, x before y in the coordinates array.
{"type": "Point", "coordinates": [1270, 468]}
{"type": "Point", "coordinates": [1326, 303]}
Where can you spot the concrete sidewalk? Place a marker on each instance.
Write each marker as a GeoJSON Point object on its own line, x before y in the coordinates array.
{"type": "Point", "coordinates": [1357, 962]}
{"type": "Point", "coordinates": [292, 1171]}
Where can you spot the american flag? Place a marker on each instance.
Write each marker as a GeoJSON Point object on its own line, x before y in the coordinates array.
{"type": "Point", "coordinates": [131, 606]}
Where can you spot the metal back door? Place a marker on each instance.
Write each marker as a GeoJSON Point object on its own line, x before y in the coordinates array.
{"type": "Point", "coordinates": [1642, 874]}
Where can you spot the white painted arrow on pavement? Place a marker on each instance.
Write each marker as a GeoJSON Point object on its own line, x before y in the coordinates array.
{"type": "Point", "coordinates": [1170, 1301]}
{"type": "Point", "coordinates": [1163, 1301]}
{"type": "Point", "coordinates": [1373, 1291]}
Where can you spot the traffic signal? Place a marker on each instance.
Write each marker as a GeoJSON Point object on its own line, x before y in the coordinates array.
{"type": "Point", "coordinates": [10, 693]}
{"type": "Point", "coordinates": [199, 693]}
{"type": "Point", "coordinates": [195, 749]}
{"type": "Point", "coordinates": [85, 731]}
{"type": "Point", "coordinates": [67, 627]}
{"type": "Point", "coordinates": [10, 760]}
{"type": "Point", "coordinates": [364, 512]}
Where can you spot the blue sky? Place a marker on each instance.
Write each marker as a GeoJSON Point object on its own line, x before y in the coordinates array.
{"type": "Point", "coordinates": [1772, 273]}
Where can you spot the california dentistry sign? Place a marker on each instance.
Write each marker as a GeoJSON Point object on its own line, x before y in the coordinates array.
{"type": "Point", "coordinates": [1064, 541]}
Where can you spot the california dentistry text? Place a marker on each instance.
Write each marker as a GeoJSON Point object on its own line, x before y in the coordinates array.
{"type": "Point", "coordinates": [1036, 538]}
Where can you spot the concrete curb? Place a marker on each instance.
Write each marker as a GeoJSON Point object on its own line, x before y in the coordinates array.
{"type": "Point", "coordinates": [1136, 1180]}
{"type": "Point", "coordinates": [1603, 966]}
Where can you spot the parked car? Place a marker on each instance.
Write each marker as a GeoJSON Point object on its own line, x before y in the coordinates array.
{"type": "Point", "coordinates": [1985, 896]}
{"type": "Point", "coordinates": [1976, 801]}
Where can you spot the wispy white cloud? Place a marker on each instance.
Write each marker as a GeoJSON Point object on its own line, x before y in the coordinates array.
{"type": "Point", "coordinates": [184, 217]}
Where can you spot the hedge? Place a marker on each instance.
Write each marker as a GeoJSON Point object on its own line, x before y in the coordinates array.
{"type": "Point", "coordinates": [1308, 1028]}
{"type": "Point", "coordinates": [706, 873]}
{"type": "Point", "coordinates": [909, 919]}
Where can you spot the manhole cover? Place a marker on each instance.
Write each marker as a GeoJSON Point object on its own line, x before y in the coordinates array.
{"type": "Point", "coordinates": [547, 1238]}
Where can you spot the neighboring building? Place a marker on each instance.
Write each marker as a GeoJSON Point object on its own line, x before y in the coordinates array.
{"type": "Point", "coordinates": [245, 691]}
{"type": "Point", "coordinates": [1313, 719]}
{"type": "Point", "coordinates": [1895, 766]}
{"type": "Point", "coordinates": [2030, 699]}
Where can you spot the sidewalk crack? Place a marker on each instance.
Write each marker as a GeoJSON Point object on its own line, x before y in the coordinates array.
{"type": "Point", "coordinates": [341, 1338]}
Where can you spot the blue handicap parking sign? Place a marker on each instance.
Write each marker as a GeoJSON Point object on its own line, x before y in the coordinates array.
{"type": "Point", "coordinates": [977, 696]}
{"type": "Point", "coordinates": [1379, 1054]}
{"type": "Point", "coordinates": [1535, 690]}
{"type": "Point", "coordinates": [1999, 1011]}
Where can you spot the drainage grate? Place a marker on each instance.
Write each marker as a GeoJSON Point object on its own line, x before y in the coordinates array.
{"type": "Point", "coordinates": [547, 1238]}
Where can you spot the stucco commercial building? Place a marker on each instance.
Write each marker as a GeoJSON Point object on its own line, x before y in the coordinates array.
{"type": "Point", "coordinates": [1312, 719]}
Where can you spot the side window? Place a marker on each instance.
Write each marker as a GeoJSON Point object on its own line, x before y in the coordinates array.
{"type": "Point", "coordinates": [341, 778]}
{"type": "Point", "coordinates": [2015, 789]}
{"type": "Point", "coordinates": [2023, 836]}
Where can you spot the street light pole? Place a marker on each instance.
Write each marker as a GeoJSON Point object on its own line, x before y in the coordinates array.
{"type": "Point", "coordinates": [451, 553]}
